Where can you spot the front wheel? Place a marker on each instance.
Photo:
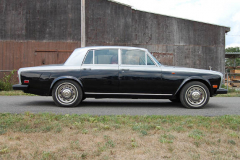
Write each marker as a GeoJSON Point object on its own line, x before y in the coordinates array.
{"type": "Point", "coordinates": [194, 95]}
{"type": "Point", "coordinates": [67, 93]}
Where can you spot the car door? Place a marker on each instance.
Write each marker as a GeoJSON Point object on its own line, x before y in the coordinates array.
{"type": "Point", "coordinates": [99, 71]}
{"type": "Point", "coordinates": [138, 73]}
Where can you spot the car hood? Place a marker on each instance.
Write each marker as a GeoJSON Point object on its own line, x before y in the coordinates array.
{"type": "Point", "coordinates": [193, 70]}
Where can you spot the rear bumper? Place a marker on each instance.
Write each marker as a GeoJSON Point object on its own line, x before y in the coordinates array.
{"type": "Point", "coordinates": [221, 91]}
{"type": "Point", "coordinates": [20, 87]}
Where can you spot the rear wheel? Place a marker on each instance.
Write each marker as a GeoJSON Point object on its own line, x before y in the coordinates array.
{"type": "Point", "coordinates": [194, 95]}
{"type": "Point", "coordinates": [67, 93]}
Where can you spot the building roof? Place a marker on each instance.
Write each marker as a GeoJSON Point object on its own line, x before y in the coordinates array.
{"type": "Point", "coordinates": [232, 55]}
{"type": "Point", "coordinates": [227, 28]}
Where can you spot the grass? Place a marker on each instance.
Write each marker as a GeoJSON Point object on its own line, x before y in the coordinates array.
{"type": "Point", "coordinates": [51, 136]}
{"type": "Point", "coordinates": [14, 93]}
{"type": "Point", "coordinates": [231, 94]}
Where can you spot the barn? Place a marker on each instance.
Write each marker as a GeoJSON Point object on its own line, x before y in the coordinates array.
{"type": "Point", "coordinates": [40, 32]}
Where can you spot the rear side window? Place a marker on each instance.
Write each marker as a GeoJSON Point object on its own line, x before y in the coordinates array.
{"type": "Point", "coordinates": [133, 57]}
{"type": "Point", "coordinates": [106, 56]}
{"type": "Point", "coordinates": [89, 58]}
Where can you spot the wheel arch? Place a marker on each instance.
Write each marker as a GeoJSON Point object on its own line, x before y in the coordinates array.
{"type": "Point", "coordinates": [65, 78]}
{"type": "Point", "coordinates": [190, 79]}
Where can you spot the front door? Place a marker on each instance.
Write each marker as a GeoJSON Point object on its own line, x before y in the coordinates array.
{"type": "Point", "coordinates": [99, 72]}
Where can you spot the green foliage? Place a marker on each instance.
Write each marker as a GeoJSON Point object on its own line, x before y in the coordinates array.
{"type": "Point", "coordinates": [196, 134]}
{"type": "Point", "coordinates": [166, 138]}
{"type": "Point", "coordinates": [232, 142]}
{"type": "Point", "coordinates": [6, 81]}
{"type": "Point", "coordinates": [232, 49]}
{"type": "Point", "coordinates": [229, 61]}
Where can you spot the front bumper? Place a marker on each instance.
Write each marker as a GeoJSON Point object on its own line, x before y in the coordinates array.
{"type": "Point", "coordinates": [20, 87]}
{"type": "Point", "coordinates": [221, 91]}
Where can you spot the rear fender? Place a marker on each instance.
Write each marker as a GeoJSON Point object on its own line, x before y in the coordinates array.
{"type": "Point", "coordinates": [66, 78]}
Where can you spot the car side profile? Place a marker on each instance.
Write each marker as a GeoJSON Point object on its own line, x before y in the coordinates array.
{"type": "Point", "coordinates": [119, 72]}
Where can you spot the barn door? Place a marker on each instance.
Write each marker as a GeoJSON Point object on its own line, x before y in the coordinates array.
{"type": "Point", "coordinates": [50, 57]}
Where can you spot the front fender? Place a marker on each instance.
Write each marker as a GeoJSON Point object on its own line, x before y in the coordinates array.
{"type": "Point", "coordinates": [66, 78]}
{"type": "Point", "coordinates": [194, 78]}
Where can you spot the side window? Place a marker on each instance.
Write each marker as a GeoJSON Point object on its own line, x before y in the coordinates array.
{"type": "Point", "coordinates": [133, 57]}
{"type": "Point", "coordinates": [89, 58]}
{"type": "Point", "coordinates": [149, 61]}
{"type": "Point", "coordinates": [106, 56]}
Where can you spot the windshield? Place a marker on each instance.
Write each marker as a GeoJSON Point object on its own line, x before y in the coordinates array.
{"type": "Point", "coordinates": [154, 59]}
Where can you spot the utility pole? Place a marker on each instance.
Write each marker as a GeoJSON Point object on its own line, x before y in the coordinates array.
{"type": "Point", "coordinates": [83, 31]}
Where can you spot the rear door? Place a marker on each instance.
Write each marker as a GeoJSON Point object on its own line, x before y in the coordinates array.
{"type": "Point", "coordinates": [138, 73]}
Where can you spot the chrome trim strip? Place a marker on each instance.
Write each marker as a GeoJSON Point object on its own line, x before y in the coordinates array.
{"type": "Point", "coordinates": [45, 68]}
{"type": "Point", "coordinates": [131, 94]}
{"type": "Point", "coordinates": [19, 76]}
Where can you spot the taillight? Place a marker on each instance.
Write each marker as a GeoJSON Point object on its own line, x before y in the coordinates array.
{"type": "Point", "coordinates": [26, 81]}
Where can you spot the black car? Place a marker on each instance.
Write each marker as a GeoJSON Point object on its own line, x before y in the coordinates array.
{"type": "Point", "coordinates": [119, 72]}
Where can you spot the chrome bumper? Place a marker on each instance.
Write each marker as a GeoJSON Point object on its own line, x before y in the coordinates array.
{"type": "Point", "coordinates": [20, 87]}
{"type": "Point", "coordinates": [221, 91]}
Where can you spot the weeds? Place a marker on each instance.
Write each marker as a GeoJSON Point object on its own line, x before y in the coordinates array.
{"type": "Point", "coordinates": [51, 136]}
{"type": "Point", "coordinates": [167, 138]}
{"type": "Point", "coordinates": [196, 134]}
{"type": "Point", "coordinates": [6, 81]}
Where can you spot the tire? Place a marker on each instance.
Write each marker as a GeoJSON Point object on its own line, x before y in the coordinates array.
{"type": "Point", "coordinates": [72, 95]}
{"type": "Point", "coordinates": [177, 100]}
{"type": "Point", "coordinates": [194, 95]}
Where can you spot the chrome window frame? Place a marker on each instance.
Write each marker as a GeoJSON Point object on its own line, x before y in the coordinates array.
{"type": "Point", "coordinates": [94, 56]}
{"type": "Point", "coordinates": [86, 57]}
{"type": "Point", "coordinates": [146, 54]}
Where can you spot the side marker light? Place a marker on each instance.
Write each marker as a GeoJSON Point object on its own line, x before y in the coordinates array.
{"type": "Point", "coordinates": [215, 86]}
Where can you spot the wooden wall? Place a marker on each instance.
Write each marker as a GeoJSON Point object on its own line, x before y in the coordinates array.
{"type": "Point", "coordinates": [48, 20]}
{"type": "Point", "coordinates": [188, 43]}
{"type": "Point", "coordinates": [17, 54]}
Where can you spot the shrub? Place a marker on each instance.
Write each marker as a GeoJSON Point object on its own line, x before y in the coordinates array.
{"type": "Point", "coordinates": [6, 81]}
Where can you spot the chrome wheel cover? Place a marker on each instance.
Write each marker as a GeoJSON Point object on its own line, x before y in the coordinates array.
{"type": "Point", "coordinates": [196, 96]}
{"type": "Point", "coordinates": [66, 93]}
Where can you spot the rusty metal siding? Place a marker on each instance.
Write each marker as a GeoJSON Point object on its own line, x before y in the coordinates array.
{"type": "Point", "coordinates": [15, 55]}
{"type": "Point", "coordinates": [57, 20]}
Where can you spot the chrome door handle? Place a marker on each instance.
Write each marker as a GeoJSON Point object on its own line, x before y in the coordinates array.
{"type": "Point", "coordinates": [86, 68]}
{"type": "Point", "coordinates": [124, 70]}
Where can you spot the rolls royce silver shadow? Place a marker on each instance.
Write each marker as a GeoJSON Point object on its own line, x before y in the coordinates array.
{"type": "Point", "coordinates": [119, 72]}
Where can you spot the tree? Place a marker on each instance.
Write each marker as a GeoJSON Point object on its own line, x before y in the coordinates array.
{"type": "Point", "coordinates": [232, 62]}
{"type": "Point", "coordinates": [232, 49]}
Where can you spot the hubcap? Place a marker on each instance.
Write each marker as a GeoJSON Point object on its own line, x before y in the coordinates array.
{"type": "Point", "coordinates": [196, 96]}
{"type": "Point", "coordinates": [66, 93]}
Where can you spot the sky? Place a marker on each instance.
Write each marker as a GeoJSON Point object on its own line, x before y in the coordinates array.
{"type": "Point", "coordinates": [219, 12]}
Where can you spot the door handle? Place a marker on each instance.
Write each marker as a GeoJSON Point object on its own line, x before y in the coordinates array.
{"type": "Point", "coordinates": [86, 68]}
